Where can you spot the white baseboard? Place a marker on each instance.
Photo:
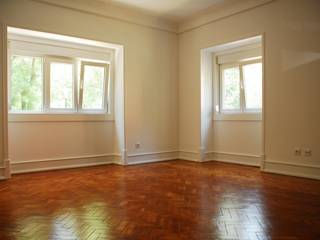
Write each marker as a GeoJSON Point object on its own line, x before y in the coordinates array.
{"type": "Point", "coordinates": [7, 168]}
{"type": "Point", "coordinates": [2, 173]}
{"type": "Point", "coordinates": [238, 158]}
{"type": "Point", "coordinates": [5, 172]}
{"type": "Point", "coordinates": [292, 169]}
{"type": "Point", "coordinates": [117, 159]}
{"type": "Point", "coordinates": [152, 157]}
{"type": "Point", "coordinates": [189, 155]}
{"type": "Point", "coordinates": [286, 168]}
{"type": "Point", "coordinates": [61, 163]}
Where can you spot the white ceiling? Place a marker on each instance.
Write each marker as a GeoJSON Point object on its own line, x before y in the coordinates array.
{"type": "Point", "coordinates": [175, 10]}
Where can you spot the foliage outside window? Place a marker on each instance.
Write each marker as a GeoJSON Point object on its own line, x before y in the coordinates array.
{"type": "Point", "coordinates": [231, 88]}
{"type": "Point", "coordinates": [26, 84]}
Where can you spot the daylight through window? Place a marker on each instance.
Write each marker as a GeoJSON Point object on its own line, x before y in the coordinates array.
{"type": "Point", "coordinates": [240, 84]}
{"type": "Point", "coordinates": [42, 83]}
{"type": "Point", "coordinates": [26, 84]}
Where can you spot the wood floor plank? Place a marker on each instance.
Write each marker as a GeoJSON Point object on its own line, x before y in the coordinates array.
{"type": "Point", "coordinates": [168, 200]}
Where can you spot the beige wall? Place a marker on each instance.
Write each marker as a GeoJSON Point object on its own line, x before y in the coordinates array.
{"type": "Point", "coordinates": [292, 36]}
{"type": "Point", "coordinates": [236, 137]}
{"type": "Point", "coordinates": [150, 83]}
{"type": "Point", "coordinates": [36, 141]}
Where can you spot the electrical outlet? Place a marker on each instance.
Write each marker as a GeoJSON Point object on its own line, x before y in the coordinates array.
{"type": "Point", "coordinates": [138, 144]}
{"type": "Point", "coordinates": [297, 151]}
{"type": "Point", "coordinates": [307, 152]}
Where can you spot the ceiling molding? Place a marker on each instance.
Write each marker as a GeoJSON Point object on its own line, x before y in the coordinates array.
{"type": "Point", "coordinates": [122, 14]}
{"type": "Point", "coordinates": [140, 18]}
{"type": "Point", "coordinates": [172, 10]}
{"type": "Point", "coordinates": [216, 14]}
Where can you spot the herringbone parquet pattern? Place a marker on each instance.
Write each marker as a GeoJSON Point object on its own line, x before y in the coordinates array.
{"type": "Point", "coordinates": [169, 200]}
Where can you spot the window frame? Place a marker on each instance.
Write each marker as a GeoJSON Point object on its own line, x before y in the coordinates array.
{"type": "Point", "coordinates": [221, 68]}
{"type": "Point", "coordinates": [24, 53]}
{"type": "Point", "coordinates": [60, 115]}
{"type": "Point", "coordinates": [106, 84]}
{"type": "Point", "coordinates": [243, 109]}
{"type": "Point", "coordinates": [252, 110]}
{"type": "Point", "coordinates": [240, 55]}
{"type": "Point", "coordinates": [47, 84]}
{"type": "Point", "coordinates": [43, 44]}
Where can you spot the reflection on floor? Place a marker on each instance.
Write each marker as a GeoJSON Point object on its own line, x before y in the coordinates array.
{"type": "Point", "coordinates": [169, 200]}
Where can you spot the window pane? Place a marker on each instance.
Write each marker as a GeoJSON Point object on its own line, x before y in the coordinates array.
{"type": "Point", "coordinates": [93, 87]}
{"type": "Point", "coordinates": [61, 85]}
{"type": "Point", "coordinates": [252, 78]}
{"type": "Point", "coordinates": [26, 84]}
{"type": "Point", "coordinates": [231, 88]}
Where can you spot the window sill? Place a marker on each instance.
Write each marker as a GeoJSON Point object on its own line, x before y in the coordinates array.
{"type": "Point", "coordinates": [58, 117]}
{"type": "Point", "coordinates": [237, 117]}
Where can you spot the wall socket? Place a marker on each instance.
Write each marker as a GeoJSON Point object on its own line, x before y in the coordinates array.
{"type": "Point", "coordinates": [307, 152]}
{"type": "Point", "coordinates": [137, 145]}
{"type": "Point", "coordinates": [297, 151]}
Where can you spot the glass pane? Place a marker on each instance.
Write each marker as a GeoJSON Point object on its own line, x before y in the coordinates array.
{"type": "Point", "coordinates": [252, 78]}
{"type": "Point", "coordinates": [26, 84]}
{"type": "Point", "coordinates": [61, 85]}
{"type": "Point", "coordinates": [93, 87]}
{"type": "Point", "coordinates": [231, 89]}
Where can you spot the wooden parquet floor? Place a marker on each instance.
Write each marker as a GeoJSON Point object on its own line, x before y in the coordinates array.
{"type": "Point", "coordinates": [168, 200]}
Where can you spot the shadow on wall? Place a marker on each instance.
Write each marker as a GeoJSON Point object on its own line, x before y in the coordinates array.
{"type": "Point", "coordinates": [292, 59]}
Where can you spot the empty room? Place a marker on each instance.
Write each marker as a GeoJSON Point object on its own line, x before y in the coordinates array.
{"type": "Point", "coordinates": [160, 119]}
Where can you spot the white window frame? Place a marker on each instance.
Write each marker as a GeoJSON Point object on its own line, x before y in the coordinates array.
{"type": "Point", "coordinates": [243, 109]}
{"type": "Point", "coordinates": [24, 53]}
{"type": "Point", "coordinates": [40, 44]}
{"type": "Point", "coordinates": [236, 57]}
{"type": "Point", "coordinates": [47, 84]}
{"type": "Point", "coordinates": [105, 87]}
{"type": "Point", "coordinates": [221, 68]}
{"type": "Point", "coordinates": [48, 114]}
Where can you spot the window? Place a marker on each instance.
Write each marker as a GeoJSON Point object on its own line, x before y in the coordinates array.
{"type": "Point", "coordinates": [240, 84]}
{"type": "Point", "coordinates": [42, 84]}
{"type": "Point", "coordinates": [54, 77]}
{"type": "Point", "coordinates": [93, 86]}
{"type": "Point", "coordinates": [230, 88]}
{"type": "Point", "coordinates": [26, 84]}
{"type": "Point", "coordinates": [62, 85]}
{"type": "Point", "coordinates": [252, 82]}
